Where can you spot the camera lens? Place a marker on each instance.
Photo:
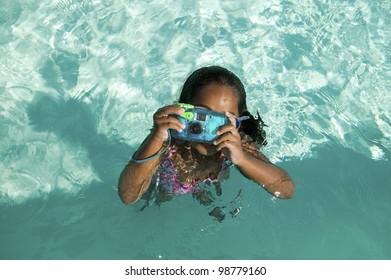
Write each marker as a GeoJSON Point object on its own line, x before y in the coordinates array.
{"type": "Point", "coordinates": [195, 128]}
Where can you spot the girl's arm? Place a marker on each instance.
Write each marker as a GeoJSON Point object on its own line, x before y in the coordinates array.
{"type": "Point", "coordinates": [273, 178]}
{"type": "Point", "coordinates": [253, 164]}
{"type": "Point", "coordinates": [135, 178]}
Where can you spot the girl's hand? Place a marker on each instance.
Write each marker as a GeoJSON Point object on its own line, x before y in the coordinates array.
{"type": "Point", "coordinates": [163, 120]}
{"type": "Point", "coordinates": [230, 142]}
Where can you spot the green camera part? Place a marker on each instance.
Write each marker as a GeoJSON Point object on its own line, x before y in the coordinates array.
{"type": "Point", "coordinates": [187, 115]}
{"type": "Point", "coordinates": [184, 105]}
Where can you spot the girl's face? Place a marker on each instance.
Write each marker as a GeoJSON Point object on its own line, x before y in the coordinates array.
{"type": "Point", "coordinates": [218, 98]}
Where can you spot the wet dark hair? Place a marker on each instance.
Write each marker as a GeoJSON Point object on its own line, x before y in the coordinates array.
{"type": "Point", "coordinates": [204, 76]}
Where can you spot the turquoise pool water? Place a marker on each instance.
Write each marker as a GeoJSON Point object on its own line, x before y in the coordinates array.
{"type": "Point", "coordinates": [79, 81]}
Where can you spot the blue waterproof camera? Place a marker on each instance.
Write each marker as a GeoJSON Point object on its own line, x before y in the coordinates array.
{"type": "Point", "coordinates": [201, 124]}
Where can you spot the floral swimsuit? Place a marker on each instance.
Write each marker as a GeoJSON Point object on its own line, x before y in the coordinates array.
{"type": "Point", "coordinates": [168, 176]}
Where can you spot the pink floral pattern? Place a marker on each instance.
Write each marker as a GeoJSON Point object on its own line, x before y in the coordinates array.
{"type": "Point", "coordinates": [168, 177]}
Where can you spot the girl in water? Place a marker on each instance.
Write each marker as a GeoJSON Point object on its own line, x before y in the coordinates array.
{"type": "Point", "coordinates": [179, 166]}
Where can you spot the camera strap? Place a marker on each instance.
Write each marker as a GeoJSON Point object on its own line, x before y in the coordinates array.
{"type": "Point", "coordinates": [132, 159]}
{"type": "Point", "coordinates": [238, 120]}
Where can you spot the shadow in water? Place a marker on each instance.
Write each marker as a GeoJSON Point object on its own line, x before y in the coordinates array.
{"type": "Point", "coordinates": [73, 122]}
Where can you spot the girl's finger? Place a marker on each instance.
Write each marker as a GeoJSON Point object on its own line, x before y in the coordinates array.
{"type": "Point", "coordinates": [169, 110]}
{"type": "Point", "coordinates": [169, 119]}
{"type": "Point", "coordinates": [176, 125]}
{"type": "Point", "coordinates": [228, 128]}
{"type": "Point", "coordinates": [225, 144]}
{"type": "Point", "coordinates": [232, 118]}
{"type": "Point", "coordinates": [227, 137]}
